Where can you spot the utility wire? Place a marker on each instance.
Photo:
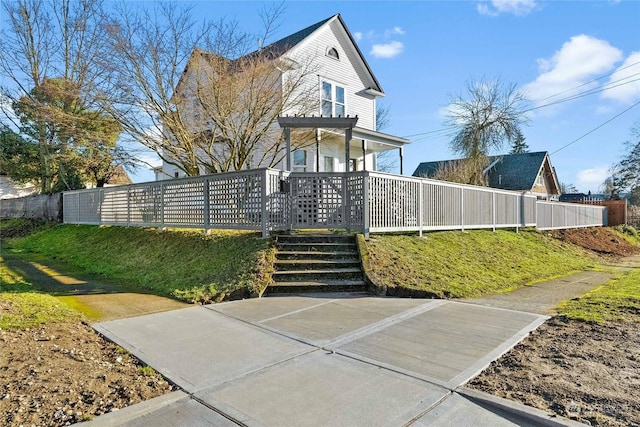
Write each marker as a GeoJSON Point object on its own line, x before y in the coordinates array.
{"type": "Point", "coordinates": [596, 128]}
{"type": "Point", "coordinates": [602, 88]}
{"type": "Point", "coordinates": [589, 82]}
{"type": "Point", "coordinates": [436, 134]}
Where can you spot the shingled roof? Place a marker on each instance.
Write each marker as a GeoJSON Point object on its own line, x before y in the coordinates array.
{"type": "Point", "coordinates": [516, 172]}
{"type": "Point", "coordinates": [281, 46]}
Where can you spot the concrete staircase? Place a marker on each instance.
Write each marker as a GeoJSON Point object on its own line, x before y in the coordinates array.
{"type": "Point", "coordinates": [317, 263]}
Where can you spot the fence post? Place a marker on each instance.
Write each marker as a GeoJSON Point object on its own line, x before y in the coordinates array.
{"type": "Point", "coordinates": [128, 206]}
{"type": "Point", "coordinates": [365, 206]}
{"type": "Point", "coordinates": [346, 197]}
{"type": "Point", "coordinates": [78, 210]}
{"type": "Point", "coordinates": [162, 205]}
{"type": "Point", "coordinates": [420, 207]}
{"type": "Point", "coordinates": [263, 196]}
{"type": "Point", "coordinates": [462, 208]}
{"type": "Point", "coordinates": [206, 206]}
{"type": "Point", "coordinates": [493, 209]}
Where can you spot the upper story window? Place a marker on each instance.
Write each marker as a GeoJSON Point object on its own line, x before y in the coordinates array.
{"type": "Point", "coordinates": [333, 53]}
{"type": "Point", "coordinates": [540, 179]}
{"type": "Point", "coordinates": [332, 100]}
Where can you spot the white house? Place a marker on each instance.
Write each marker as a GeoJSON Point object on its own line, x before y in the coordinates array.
{"type": "Point", "coordinates": [342, 84]}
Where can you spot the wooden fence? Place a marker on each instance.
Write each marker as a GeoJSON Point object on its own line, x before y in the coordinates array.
{"type": "Point", "coordinates": [266, 200]}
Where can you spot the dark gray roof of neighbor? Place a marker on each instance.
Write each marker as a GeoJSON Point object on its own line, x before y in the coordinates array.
{"type": "Point", "coordinates": [510, 172]}
{"type": "Point", "coordinates": [516, 171]}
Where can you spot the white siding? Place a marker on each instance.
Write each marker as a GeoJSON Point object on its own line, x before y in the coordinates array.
{"type": "Point", "coordinates": [342, 72]}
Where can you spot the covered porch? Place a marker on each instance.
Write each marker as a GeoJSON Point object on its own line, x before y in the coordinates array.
{"type": "Point", "coordinates": [339, 146]}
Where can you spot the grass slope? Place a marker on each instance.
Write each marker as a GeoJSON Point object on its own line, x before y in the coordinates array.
{"type": "Point", "coordinates": [187, 265]}
{"type": "Point", "coordinates": [457, 264]}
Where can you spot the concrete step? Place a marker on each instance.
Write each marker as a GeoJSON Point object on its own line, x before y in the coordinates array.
{"type": "Point", "coordinates": [302, 255]}
{"type": "Point", "coordinates": [349, 273]}
{"type": "Point", "coordinates": [317, 286]}
{"type": "Point", "coordinates": [317, 247]}
{"type": "Point", "coordinates": [318, 238]}
{"type": "Point", "coordinates": [316, 264]}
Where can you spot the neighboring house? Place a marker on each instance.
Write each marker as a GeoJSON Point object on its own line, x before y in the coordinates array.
{"type": "Point", "coordinates": [530, 172]}
{"type": "Point", "coordinates": [11, 190]}
{"type": "Point", "coordinates": [342, 84]}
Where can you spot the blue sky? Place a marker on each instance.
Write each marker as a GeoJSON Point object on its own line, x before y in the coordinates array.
{"type": "Point", "coordinates": [423, 52]}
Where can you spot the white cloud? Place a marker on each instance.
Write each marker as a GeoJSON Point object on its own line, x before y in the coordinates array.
{"type": "Point", "coordinates": [516, 7]}
{"type": "Point", "coordinates": [394, 31]}
{"type": "Point", "coordinates": [591, 179]}
{"type": "Point", "coordinates": [576, 63]}
{"type": "Point", "coordinates": [357, 35]}
{"type": "Point", "coordinates": [387, 50]}
{"type": "Point", "coordinates": [624, 83]}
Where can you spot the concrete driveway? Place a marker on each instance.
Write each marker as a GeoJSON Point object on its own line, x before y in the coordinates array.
{"type": "Point", "coordinates": [324, 360]}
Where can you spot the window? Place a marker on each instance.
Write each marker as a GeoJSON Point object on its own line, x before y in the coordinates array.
{"type": "Point", "coordinates": [332, 100]}
{"type": "Point", "coordinates": [540, 179]}
{"type": "Point", "coordinates": [299, 161]}
{"type": "Point", "coordinates": [176, 174]}
{"type": "Point", "coordinates": [333, 53]}
{"type": "Point", "coordinates": [329, 164]}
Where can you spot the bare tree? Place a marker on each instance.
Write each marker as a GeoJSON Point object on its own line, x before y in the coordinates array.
{"type": "Point", "coordinates": [51, 58]}
{"type": "Point", "coordinates": [386, 161]}
{"type": "Point", "coordinates": [490, 115]}
{"type": "Point", "coordinates": [461, 171]}
{"type": "Point", "coordinates": [628, 177]}
{"type": "Point", "coordinates": [207, 109]}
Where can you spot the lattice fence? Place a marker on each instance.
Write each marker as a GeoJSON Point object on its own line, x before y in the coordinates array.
{"type": "Point", "coordinates": [266, 199]}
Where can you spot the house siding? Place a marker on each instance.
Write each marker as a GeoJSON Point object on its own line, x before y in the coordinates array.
{"type": "Point", "coordinates": [341, 72]}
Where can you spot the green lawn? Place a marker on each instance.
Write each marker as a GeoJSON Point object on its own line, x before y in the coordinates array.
{"type": "Point", "coordinates": [618, 300]}
{"type": "Point", "coordinates": [456, 264]}
{"type": "Point", "coordinates": [187, 265]}
{"type": "Point", "coordinates": [22, 307]}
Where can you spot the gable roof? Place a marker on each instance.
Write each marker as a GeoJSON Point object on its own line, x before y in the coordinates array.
{"type": "Point", "coordinates": [517, 172]}
{"type": "Point", "coordinates": [286, 44]}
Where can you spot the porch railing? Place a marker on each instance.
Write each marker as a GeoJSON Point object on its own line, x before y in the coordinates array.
{"type": "Point", "coordinates": [268, 199]}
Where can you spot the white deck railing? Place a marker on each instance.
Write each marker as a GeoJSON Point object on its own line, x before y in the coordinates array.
{"type": "Point", "coordinates": [268, 199]}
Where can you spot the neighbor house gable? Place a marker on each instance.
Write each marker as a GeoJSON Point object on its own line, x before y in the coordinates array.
{"type": "Point", "coordinates": [530, 172]}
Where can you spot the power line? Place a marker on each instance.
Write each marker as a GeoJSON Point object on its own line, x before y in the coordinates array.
{"type": "Point", "coordinates": [596, 128]}
{"type": "Point", "coordinates": [589, 82]}
{"type": "Point", "coordinates": [588, 92]}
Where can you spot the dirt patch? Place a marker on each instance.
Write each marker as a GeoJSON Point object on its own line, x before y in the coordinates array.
{"type": "Point", "coordinates": [600, 240]}
{"type": "Point", "coordinates": [60, 374]}
{"type": "Point", "coordinates": [583, 371]}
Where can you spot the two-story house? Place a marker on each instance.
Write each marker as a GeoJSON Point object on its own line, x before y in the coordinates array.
{"type": "Point", "coordinates": [342, 84]}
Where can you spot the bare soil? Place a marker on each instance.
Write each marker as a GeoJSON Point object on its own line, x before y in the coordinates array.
{"type": "Point", "coordinates": [60, 374]}
{"type": "Point", "coordinates": [583, 371]}
{"type": "Point", "coordinates": [599, 240]}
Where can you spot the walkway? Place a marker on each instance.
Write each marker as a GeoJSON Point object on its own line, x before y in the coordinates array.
{"type": "Point", "coordinates": [324, 360]}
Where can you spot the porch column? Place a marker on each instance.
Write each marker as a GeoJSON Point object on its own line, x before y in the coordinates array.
{"type": "Point", "coordinates": [364, 154]}
{"type": "Point", "coordinates": [317, 150]}
{"type": "Point", "coordinates": [287, 140]}
{"type": "Point", "coordinates": [401, 150]}
{"type": "Point", "coordinates": [347, 150]}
